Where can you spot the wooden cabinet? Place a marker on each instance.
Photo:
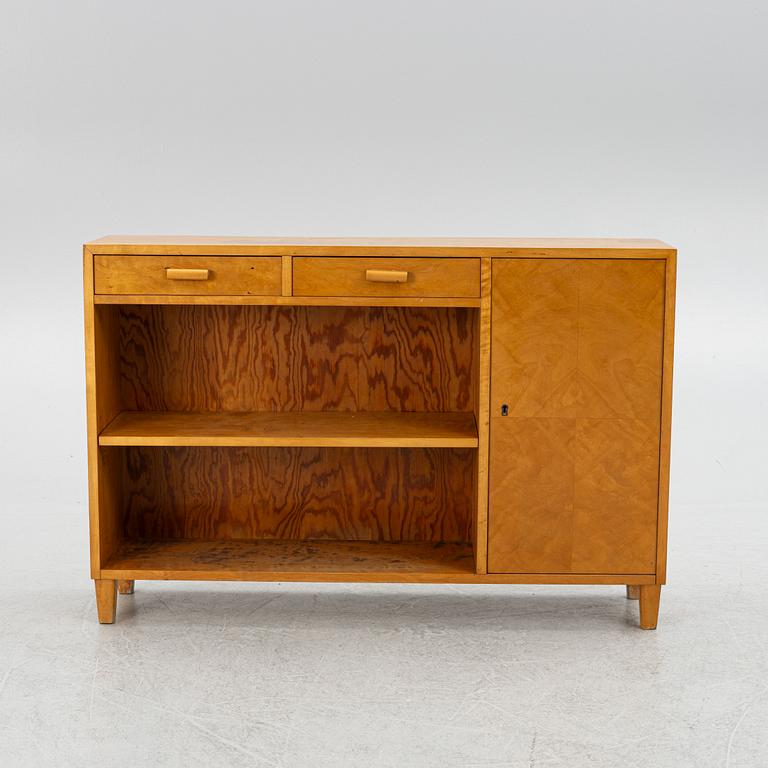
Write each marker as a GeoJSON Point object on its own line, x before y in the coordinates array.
{"type": "Point", "coordinates": [460, 411]}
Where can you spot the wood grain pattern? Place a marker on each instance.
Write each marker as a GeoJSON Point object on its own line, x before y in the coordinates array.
{"type": "Point", "coordinates": [531, 496]}
{"type": "Point", "coordinates": [665, 442]}
{"type": "Point", "coordinates": [239, 358]}
{"type": "Point", "coordinates": [650, 597]}
{"type": "Point", "coordinates": [386, 276]}
{"type": "Point", "coordinates": [581, 353]}
{"type": "Point", "coordinates": [176, 273]}
{"type": "Point", "coordinates": [315, 276]}
{"type": "Point", "coordinates": [416, 360]}
{"type": "Point", "coordinates": [296, 359]}
{"type": "Point", "coordinates": [245, 560]}
{"type": "Point", "coordinates": [106, 366]}
{"type": "Point", "coordinates": [259, 275]}
{"type": "Point", "coordinates": [482, 416]}
{"type": "Point", "coordinates": [298, 493]}
{"type": "Point", "coordinates": [295, 560]}
{"type": "Point", "coordinates": [102, 404]}
{"type": "Point", "coordinates": [106, 599]}
{"type": "Point", "coordinates": [446, 247]}
{"type": "Point", "coordinates": [614, 495]}
{"type": "Point", "coordinates": [93, 428]}
{"type": "Point", "coordinates": [578, 339]}
{"type": "Point", "coordinates": [573, 495]}
{"type": "Point", "coordinates": [371, 429]}
{"type": "Point", "coordinates": [109, 503]}
{"type": "Point", "coordinates": [289, 301]}
{"type": "Point", "coordinates": [576, 356]}
{"type": "Point", "coordinates": [287, 274]}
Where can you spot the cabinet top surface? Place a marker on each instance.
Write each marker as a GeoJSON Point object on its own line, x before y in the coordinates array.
{"type": "Point", "coordinates": [443, 246]}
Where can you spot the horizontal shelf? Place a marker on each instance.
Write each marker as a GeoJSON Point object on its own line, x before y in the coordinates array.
{"type": "Point", "coordinates": [379, 429]}
{"type": "Point", "coordinates": [277, 560]}
{"type": "Point", "coordinates": [288, 301]}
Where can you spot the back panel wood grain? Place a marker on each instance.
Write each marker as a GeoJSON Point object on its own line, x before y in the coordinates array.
{"type": "Point", "coordinates": [373, 494]}
{"type": "Point", "coordinates": [252, 358]}
{"type": "Point", "coordinates": [576, 358]}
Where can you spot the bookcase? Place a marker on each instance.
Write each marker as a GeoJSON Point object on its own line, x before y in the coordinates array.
{"type": "Point", "coordinates": [455, 411]}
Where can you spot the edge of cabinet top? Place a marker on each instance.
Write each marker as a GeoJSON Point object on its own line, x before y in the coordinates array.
{"type": "Point", "coordinates": [380, 246]}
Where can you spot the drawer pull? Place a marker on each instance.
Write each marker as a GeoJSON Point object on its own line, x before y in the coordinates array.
{"type": "Point", "coordinates": [386, 276]}
{"type": "Point", "coordinates": [173, 273]}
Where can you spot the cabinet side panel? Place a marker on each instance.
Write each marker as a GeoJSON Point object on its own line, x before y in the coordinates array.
{"type": "Point", "coordinates": [576, 366]}
{"type": "Point", "coordinates": [102, 370]}
{"type": "Point", "coordinates": [666, 417]}
{"type": "Point", "coordinates": [90, 399]}
{"type": "Point", "coordinates": [482, 372]}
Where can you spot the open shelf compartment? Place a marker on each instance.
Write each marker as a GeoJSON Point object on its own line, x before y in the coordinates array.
{"type": "Point", "coordinates": [276, 560]}
{"type": "Point", "coordinates": [288, 443]}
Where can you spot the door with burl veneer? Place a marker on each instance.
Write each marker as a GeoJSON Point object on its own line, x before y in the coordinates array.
{"type": "Point", "coordinates": [576, 364]}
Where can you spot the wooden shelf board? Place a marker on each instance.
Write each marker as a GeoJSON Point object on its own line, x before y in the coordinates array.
{"type": "Point", "coordinates": [444, 247]}
{"type": "Point", "coordinates": [372, 429]}
{"type": "Point", "coordinates": [344, 561]}
{"type": "Point", "coordinates": [288, 301]}
{"type": "Point", "coordinates": [277, 560]}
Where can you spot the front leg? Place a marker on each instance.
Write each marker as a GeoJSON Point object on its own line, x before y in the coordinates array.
{"type": "Point", "coordinates": [106, 599]}
{"type": "Point", "coordinates": [650, 595]}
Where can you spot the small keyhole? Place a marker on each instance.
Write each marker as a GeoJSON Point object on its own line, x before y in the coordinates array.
{"type": "Point", "coordinates": [505, 410]}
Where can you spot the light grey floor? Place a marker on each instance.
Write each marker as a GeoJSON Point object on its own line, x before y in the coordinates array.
{"type": "Point", "coordinates": [337, 675]}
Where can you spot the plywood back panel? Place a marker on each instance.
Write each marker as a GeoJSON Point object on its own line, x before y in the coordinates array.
{"type": "Point", "coordinates": [223, 358]}
{"type": "Point", "coordinates": [298, 493]}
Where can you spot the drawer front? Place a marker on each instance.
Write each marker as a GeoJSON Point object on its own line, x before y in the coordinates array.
{"type": "Point", "coordinates": [382, 276]}
{"type": "Point", "coordinates": [188, 275]}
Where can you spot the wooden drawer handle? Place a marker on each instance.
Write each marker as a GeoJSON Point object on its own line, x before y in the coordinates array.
{"type": "Point", "coordinates": [386, 276]}
{"type": "Point", "coordinates": [173, 273]}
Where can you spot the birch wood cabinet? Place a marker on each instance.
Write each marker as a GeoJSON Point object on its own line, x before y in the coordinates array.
{"type": "Point", "coordinates": [449, 411]}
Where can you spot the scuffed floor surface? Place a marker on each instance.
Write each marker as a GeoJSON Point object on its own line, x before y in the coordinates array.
{"type": "Point", "coordinates": [348, 675]}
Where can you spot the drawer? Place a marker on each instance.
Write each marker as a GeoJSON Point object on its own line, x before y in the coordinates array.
{"type": "Point", "coordinates": [382, 276]}
{"type": "Point", "coordinates": [188, 275]}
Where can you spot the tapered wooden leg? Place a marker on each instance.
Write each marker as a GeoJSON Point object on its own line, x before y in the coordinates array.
{"type": "Point", "coordinates": [125, 586]}
{"type": "Point", "coordinates": [106, 599]}
{"type": "Point", "coordinates": [650, 594]}
{"type": "Point", "coordinates": [633, 592]}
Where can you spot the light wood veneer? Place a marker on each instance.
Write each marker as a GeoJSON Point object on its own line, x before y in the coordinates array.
{"type": "Point", "coordinates": [382, 276]}
{"type": "Point", "coordinates": [425, 410]}
{"type": "Point", "coordinates": [344, 429]}
{"type": "Point", "coordinates": [188, 275]}
{"type": "Point", "coordinates": [577, 361]}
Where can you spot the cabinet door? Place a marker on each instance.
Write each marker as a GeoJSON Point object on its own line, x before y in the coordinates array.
{"type": "Point", "coordinates": [576, 370]}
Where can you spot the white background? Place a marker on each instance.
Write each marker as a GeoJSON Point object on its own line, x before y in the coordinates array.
{"type": "Point", "coordinates": [630, 119]}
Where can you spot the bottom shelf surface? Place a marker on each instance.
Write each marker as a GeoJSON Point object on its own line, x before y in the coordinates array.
{"type": "Point", "coordinates": [278, 560]}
